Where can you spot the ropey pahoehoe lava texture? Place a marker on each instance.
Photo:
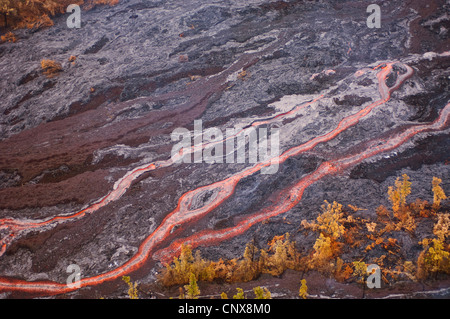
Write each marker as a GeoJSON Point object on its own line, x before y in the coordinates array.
{"type": "Point", "coordinates": [88, 175]}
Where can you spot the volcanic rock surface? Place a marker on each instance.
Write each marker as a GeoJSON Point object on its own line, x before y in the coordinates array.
{"type": "Point", "coordinates": [146, 68]}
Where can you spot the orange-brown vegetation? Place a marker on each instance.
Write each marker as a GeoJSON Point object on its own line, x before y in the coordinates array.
{"type": "Point", "coordinates": [8, 37]}
{"type": "Point", "coordinates": [38, 13]}
{"type": "Point", "coordinates": [280, 255]}
{"type": "Point", "coordinates": [438, 193]}
{"type": "Point", "coordinates": [51, 68]}
{"type": "Point", "coordinates": [330, 225]}
{"type": "Point", "coordinates": [339, 231]}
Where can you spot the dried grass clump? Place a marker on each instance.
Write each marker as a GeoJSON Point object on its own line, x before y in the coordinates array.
{"type": "Point", "coordinates": [51, 68]}
{"type": "Point", "coordinates": [8, 37]}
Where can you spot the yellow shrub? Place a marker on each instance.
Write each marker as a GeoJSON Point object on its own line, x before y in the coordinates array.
{"type": "Point", "coordinates": [303, 291]}
{"type": "Point", "coordinates": [330, 221]}
{"type": "Point", "coordinates": [261, 293]}
{"type": "Point", "coordinates": [192, 290]}
{"type": "Point", "coordinates": [398, 195]}
{"type": "Point", "coordinates": [442, 227]}
{"type": "Point", "coordinates": [432, 259]}
{"type": "Point", "coordinates": [239, 294]}
{"type": "Point", "coordinates": [331, 228]}
{"type": "Point", "coordinates": [182, 267]}
{"type": "Point", "coordinates": [360, 270]}
{"type": "Point", "coordinates": [438, 193]}
{"type": "Point", "coordinates": [247, 268]}
{"type": "Point", "coordinates": [323, 251]}
{"type": "Point", "coordinates": [283, 256]}
{"type": "Point", "coordinates": [132, 288]}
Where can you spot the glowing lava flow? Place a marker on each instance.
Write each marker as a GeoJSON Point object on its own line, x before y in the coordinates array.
{"type": "Point", "coordinates": [11, 228]}
{"type": "Point", "coordinates": [15, 226]}
{"type": "Point", "coordinates": [292, 196]}
{"type": "Point", "coordinates": [183, 213]}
